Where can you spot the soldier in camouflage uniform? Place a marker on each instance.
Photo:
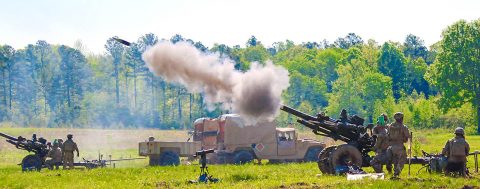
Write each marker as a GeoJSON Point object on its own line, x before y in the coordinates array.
{"type": "Point", "coordinates": [381, 145]}
{"type": "Point", "coordinates": [398, 134]}
{"type": "Point", "coordinates": [456, 150]}
{"type": "Point", "coordinates": [68, 148]}
{"type": "Point", "coordinates": [56, 156]}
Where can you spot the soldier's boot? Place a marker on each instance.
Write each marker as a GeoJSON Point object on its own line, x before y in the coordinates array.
{"type": "Point", "coordinates": [389, 168]}
{"type": "Point", "coordinates": [397, 170]}
{"type": "Point", "coordinates": [464, 171]}
{"type": "Point", "coordinates": [377, 167]}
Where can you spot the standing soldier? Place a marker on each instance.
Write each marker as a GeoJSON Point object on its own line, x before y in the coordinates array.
{"type": "Point", "coordinates": [456, 150]}
{"type": "Point", "coordinates": [56, 156]}
{"type": "Point", "coordinates": [68, 147]}
{"type": "Point", "coordinates": [381, 145]}
{"type": "Point", "coordinates": [398, 134]}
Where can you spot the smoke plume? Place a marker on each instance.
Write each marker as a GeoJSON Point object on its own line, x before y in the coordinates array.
{"type": "Point", "coordinates": [254, 94]}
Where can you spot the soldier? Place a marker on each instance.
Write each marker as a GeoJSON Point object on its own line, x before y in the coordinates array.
{"type": "Point", "coordinates": [343, 116]}
{"type": "Point", "coordinates": [56, 156]}
{"type": "Point", "coordinates": [388, 159]}
{"type": "Point", "coordinates": [60, 145]}
{"type": "Point", "coordinates": [398, 134]}
{"type": "Point", "coordinates": [381, 145]}
{"type": "Point", "coordinates": [49, 145]}
{"type": "Point", "coordinates": [34, 138]}
{"type": "Point", "coordinates": [68, 147]}
{"type": "Point", "coordinates": [456, 150]}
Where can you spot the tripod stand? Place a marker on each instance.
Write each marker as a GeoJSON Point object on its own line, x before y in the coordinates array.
{"type": "Point", "coordinates": [204, 175]}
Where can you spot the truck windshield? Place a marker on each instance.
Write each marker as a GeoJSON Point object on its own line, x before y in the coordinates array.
{"type": "Point", "coordinates": [286, 136]}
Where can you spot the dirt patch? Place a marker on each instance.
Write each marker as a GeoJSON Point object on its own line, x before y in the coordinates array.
{"type": "Point", "coordinates": [470, 187]}
{"type": "Point", "coordinates": [300, 185]}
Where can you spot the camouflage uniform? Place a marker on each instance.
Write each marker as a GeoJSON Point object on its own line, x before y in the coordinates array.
{"type": "Point", "coordinates": [68, 147]}
{"type": "Point", "coordinates": [380, 147]}
{"type": "Point", "coordinates": [56, 157]}
{"type": "Point", "coordinates": [398, 134]}
{"type": "Point", "coordinates": [456, 150]}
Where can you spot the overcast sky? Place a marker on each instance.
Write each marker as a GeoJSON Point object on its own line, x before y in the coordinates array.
{"type": "Point", "coordinates": [226, 21]}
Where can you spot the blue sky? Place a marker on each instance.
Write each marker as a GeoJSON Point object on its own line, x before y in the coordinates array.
{"type": "Point", "coordinates": [229, 22]}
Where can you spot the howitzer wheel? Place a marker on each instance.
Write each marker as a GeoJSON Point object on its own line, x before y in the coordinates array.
{"type": "Point", "coordinates": [31, 162]}
{"type": "Point", "coordinates": [324, 162]}
{"type": "Point", "coordinates": [346, 153]}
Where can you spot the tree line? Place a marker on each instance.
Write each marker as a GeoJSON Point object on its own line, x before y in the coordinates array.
{"type": "Point", "coordinates": [59, 86]}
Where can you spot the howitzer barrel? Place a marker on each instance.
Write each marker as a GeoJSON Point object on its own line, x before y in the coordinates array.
{"type": "Point", "coordinates": [297, 113]}
{"type": "Point", "coordinates": [8, 137]}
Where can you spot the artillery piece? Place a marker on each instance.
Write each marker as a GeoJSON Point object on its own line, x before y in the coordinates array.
{"type": "Point", "coordinates": [358, 143]}
{"type": "Point", "coordinates": [36, 161]}
{"type": "Point", "coordinates": [347, 129]}
{"type": "Point", "coordinates": [38, 147]}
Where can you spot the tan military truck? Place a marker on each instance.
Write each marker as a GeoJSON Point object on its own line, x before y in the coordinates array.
{"type": "Point", "coordinates": [235, 142]}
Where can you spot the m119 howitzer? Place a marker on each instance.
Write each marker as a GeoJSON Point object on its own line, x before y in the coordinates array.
{"type": "Point", "coordinates": [36, 161]}
{"type": "Point", "coordinates": [347, 129]}
{"type": "Point", "coordinates": [38, 147]}
{"type": "Point", "coordinates": [358, 143]}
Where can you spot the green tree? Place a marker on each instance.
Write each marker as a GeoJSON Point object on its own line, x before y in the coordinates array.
{"type": "Point", "coordinates": [392, 63]}
{"type": "Point", "coordinates": [6, 64]}
{"type": "Point", "coordinates": [115, 50]}
{"type": "Point", "coordinates": [414, 47]}
{"type": "Point", "coordinates": [456, 71]}
{"type": "Point", "coordinates": [348, 41]}
{"type": "Point", "coordinates": [257, 53]}
{"type": "Point", "coordinates": [328, 60]}
{"type": "Point", "coordinates": [73, 81]}
{"type": "Point", "coordinates": [252, 41]}
{"type": "Point", "coordinates": [415, 71]}
{"type": "Point", "coordinates": [377, 94]}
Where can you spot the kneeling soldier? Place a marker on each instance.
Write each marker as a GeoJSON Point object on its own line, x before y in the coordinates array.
{"type": "Point", "coordinates": [456, 150]}
{"type": "Point", "coordinates": [56, 156]}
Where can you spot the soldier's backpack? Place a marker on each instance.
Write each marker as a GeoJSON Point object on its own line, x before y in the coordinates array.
{"type": "Point", "coordinates": [68, 146]}
{"type": "Point", "coordinates": [457, 147]}
{"type": "Point", "coordinates": [394, 133]}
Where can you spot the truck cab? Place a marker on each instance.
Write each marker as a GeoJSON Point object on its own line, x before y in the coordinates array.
{"type": "Point", "coordinates": [286, 141]}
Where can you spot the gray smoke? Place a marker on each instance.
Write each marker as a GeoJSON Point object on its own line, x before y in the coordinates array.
{"type": "Point", "coordinates": [255, 94]}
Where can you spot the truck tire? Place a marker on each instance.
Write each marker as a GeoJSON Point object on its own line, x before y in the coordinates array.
{"type": "Point", "coordinates": [169, 158]}
{"type": "Point", "coordinates": [242, 157]}
{"type": "Point", "coordinates": [31, 162]}
{"type": "Point", "coordinates": [154, 160]}
{"type": "Point", "coordinates": [312, 154]}
{"type": "Point", "coordinates": [324, 161]}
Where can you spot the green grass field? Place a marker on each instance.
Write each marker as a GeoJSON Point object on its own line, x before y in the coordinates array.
{"type": "Point", "coordinates": [136, 174]}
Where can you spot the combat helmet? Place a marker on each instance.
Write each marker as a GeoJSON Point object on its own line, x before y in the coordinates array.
{"type": "Point", "coordinates": [459, 131]}
{"type": "Point", "coordinates": [398, 115]}
{"type": "Point", "coordinates": [69, 136]}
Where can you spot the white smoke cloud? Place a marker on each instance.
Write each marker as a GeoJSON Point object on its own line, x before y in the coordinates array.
{"type": "Point", "coordinates": [255, 94]}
